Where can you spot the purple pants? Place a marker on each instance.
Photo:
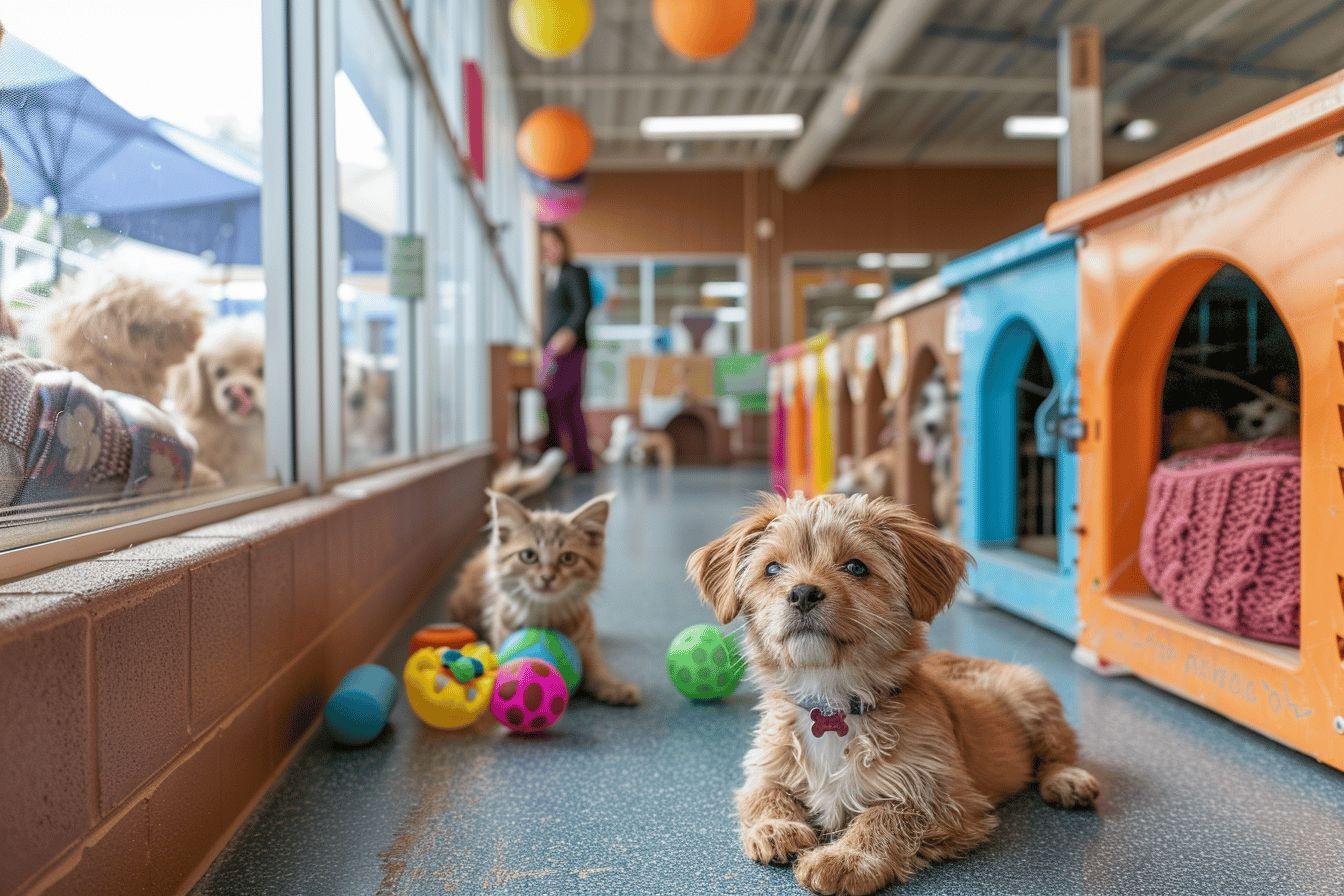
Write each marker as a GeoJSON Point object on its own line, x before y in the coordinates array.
{"type": "Point", "coordinates": [562, 385]}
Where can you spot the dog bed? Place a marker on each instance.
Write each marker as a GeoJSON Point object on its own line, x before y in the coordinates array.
{"type": "Point", "coordinates": [1221, 537]}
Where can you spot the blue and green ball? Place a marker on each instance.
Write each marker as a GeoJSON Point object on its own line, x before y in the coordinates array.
{"type": "Point", "coordinates": [549, 646]}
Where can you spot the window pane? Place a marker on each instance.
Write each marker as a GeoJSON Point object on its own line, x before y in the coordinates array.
{"type": "Point", "coordinates": [372, 103]}
{"type": "Point", "coordinates": [616, 292]}
{"type": "Point", "coordinates": [704, 304]}
{"type": "Point", "coordinates": [132, 256]}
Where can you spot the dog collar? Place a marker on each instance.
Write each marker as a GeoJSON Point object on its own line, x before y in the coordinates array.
{"type": "Point", "coordinates": [826, 717]}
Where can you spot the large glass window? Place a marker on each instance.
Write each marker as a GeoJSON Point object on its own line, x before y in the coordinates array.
{"type": "Point", "coordinates": [131, 264]}
{"type": "Point", "coordinates": [373, 155]}
{"type": "Point", "coordinates": [210, 199]}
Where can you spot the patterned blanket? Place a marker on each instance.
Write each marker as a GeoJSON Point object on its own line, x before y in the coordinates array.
{"type": "Point", "coordinates": [64, 439]}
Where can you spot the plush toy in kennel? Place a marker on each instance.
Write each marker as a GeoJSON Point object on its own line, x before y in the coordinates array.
{"type": "Point", "coordinates": [1019, 484]}
{"type": "Point", "coordinates": [1211, 296]}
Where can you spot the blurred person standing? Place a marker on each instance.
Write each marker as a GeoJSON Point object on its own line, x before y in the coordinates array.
{"type": "Point", "coordinates": [568, 300]}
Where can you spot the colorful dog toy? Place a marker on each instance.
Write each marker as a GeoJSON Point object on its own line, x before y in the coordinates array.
{"type": "Point", "coordinates": [547, 645]}
{"type": "Point", "coordinates": [442, 634]}
{"type": "Point", "coordinates": [530, 696]}
{"type": "Point", "coordinates": [704, 664]}
{"type": "Point", "coordinates": [358, 709]}
{"type": "Point", "coordinates": [450, 688]}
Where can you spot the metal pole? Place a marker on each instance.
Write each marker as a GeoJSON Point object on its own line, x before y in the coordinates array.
{"type": "Point", "coordinates": [1080, 101]}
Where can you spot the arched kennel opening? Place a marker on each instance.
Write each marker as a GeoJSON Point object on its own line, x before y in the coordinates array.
{"type": "Point", "coordinates": [1037, 526]}
{"type": "Point", "coordinates": [1233, 362]}
{"type": "Point", "coordinates": [1221, 536]}
{"type": "Point", "coordinates": [844, 418]}
{"type": "Point", "coordinates": [920, 426]}
{"type": "Point", "coordinates": [872, 432]}
{"type": "Point", "coordinates": [1019, 463]}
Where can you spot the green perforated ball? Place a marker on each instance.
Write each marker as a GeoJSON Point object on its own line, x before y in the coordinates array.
{"type": "Point", "coordinates": [704, 663]}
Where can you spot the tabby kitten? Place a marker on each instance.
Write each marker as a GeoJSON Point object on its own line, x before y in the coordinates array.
{"type": "Point", "coordinates": [539, 569]}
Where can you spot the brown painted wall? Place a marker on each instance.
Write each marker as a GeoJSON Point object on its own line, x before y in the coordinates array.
{"type": "Point", "coordinates": [914, 209]}
{"type": "Point", "coordinates": [661, 212]}
{"type": "Point", "coordinates": [148, 695]}
{"type": "Point", "coordinates": [845, 210]}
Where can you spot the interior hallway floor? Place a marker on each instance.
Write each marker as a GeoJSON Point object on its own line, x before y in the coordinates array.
{"type": "Point", "coordinates": [639, 801]}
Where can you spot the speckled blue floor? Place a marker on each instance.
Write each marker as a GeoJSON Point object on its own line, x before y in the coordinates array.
{"type": "Point", "coordinates": [638, 801]}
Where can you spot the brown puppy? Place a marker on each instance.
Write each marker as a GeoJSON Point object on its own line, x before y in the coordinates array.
{"type": "Point", "coordinates": [874, 757]}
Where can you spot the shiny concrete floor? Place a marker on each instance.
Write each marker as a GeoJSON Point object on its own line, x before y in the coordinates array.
{"type": "Point", "coordinates": [638, 801]}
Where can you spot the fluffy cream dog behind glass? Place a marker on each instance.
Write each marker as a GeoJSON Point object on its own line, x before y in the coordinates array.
{"type": "Point", "coordinates": [220, 394]}
{"type": "Point", "coordinates": [874, 757]}
{"type": "Point", "coordinates": [123, 332]}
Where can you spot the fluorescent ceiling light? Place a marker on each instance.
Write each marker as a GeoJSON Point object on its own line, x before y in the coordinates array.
{"type": "Point", "coordinates": [1139, 129]}
{"type": "Point", "coordinates": [723, 289]}
{"type": "Point", "coordinates": [871, 261]}
{"type": "Point", "coordinates": [869, 291]}
{"type": "Point", "coordinates": [909, 261]}
{"type": "Point", "coordinates": [1035, 127]}
{"type": "Point", "coordinates": [720, 127]}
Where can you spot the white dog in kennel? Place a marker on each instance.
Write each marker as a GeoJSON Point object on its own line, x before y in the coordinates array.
{"type": "Point", "coordinates": [931, 427]}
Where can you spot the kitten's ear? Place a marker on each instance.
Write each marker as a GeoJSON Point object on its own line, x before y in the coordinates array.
{"type": "Point", "coordinates": [934, 566]}
{"type": "Point", "coordinates": [507, 514]}
{"type": "Point", "coordinates": [591, 518]}
{"type": "Point", "coordinates": [714, 567]}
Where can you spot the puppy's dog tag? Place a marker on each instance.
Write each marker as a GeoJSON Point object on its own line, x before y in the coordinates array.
{"type": "Point", "coordinates": [829, 721]}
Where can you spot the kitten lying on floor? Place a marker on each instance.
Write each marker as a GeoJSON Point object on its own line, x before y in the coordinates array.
{"type": "Point", "coordinates": [539, 569]}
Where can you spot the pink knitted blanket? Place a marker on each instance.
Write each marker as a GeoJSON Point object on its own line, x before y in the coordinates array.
{"type": "Point", "coordinates": [1222, 536]}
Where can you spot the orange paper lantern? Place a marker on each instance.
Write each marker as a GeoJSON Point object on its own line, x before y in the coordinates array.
{"type": "Point", "coordinates": [555, 142]}
{"type": "Point", "coordinates": [703, 29]}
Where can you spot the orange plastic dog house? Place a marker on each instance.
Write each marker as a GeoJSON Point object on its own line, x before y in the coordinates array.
{"type": "Point", "coordinates": [1260, 196]}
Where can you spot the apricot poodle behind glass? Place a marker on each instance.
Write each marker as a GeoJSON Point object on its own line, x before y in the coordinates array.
{"type": "Point", "coordinates": [874, 757]}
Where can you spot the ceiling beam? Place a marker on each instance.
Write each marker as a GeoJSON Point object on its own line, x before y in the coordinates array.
{"type": "Point", "coordinates": [713, 80]}
{"type": "Point", "coordinates": [894, 28]}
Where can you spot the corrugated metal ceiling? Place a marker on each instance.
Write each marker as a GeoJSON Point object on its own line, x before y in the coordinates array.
{"type": "Point", "coordinates": [1000, 56]}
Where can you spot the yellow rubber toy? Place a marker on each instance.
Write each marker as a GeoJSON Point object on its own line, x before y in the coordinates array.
{"type": "Point", "coordinates": [436, 690]}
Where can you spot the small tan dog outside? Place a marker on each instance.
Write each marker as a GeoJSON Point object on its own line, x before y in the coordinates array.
{"type": "Point", "coordinates": [874, 757]}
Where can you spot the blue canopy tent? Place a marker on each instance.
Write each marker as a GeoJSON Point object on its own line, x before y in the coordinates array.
{"type": "Point", "coordinates": [71, 149]}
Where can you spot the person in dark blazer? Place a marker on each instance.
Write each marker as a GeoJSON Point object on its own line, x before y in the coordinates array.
{"type": "Point", "coordinates": [568, 299]}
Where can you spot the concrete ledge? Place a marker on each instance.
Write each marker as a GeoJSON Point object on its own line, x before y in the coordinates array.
{"type": "Point", "coordinates": [149, 695]}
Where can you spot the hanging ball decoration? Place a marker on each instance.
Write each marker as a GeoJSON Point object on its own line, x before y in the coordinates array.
{"type": "Point", "coordinates": [555, 143]}
{"type": "Point", "coordinates": [553, 210]}
{"type": "Point", "coordinates": [703, 29]}
{"type": "Point", "coordinates": [551, 29]}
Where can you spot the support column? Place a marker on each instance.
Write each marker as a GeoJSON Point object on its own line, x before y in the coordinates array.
{"type": "Point", "coordinates": [1080, 149]}
{"type": "Point", "coordinates": [763, 225]}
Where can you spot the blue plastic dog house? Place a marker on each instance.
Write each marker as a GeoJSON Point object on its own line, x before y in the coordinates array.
{"type": "Point", "coordinates": [1017, 295]}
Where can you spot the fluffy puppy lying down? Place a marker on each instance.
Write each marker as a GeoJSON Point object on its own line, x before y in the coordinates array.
{"type": "Point", "coordinates": [874, 757]}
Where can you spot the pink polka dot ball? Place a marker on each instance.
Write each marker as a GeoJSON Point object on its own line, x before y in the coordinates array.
{"type": "Point", "coordinates": [530, 695]}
